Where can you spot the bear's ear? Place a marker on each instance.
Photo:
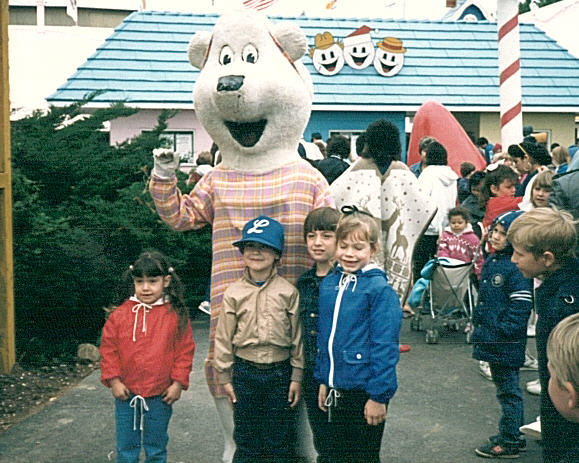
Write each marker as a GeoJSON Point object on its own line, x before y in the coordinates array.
{"type": "Point", "coordinates": [291, 38]}
{"type": "Point", "coordinates": [197, 48]}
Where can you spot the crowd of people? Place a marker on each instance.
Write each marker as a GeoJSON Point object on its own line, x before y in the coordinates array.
{"type": "Point", "coordinates": [332, 338]}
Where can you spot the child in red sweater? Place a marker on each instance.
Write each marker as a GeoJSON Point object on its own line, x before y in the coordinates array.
{"type": "Point", "coordinates": [146, 357]}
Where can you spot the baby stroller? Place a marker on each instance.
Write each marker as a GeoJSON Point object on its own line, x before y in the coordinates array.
{"type": "Point", "coordinates": [448, 301]}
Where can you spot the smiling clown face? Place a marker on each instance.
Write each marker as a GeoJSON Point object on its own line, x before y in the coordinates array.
{"type": "Point", "coordinates": [358, 48]}
{"type": "Point", "coordinates": [389, 57]}
{"type": "Point", "coordinates": [327, 55]}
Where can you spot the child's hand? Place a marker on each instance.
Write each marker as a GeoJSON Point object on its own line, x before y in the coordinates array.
{"type": "Point", "coordinates": [295, 393]}
{"type": "Point", "coordinates": [322, 394]}
{"type": "Point", "coordinates": [172, 394]}
{"type": "Point", "coordinates": [119, 390]}
{"type": "Point", "coordinates": [230, 393]}
{"type": "Point", "coordinates": [374, 412]}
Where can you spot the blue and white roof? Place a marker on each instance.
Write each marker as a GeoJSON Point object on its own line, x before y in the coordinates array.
{"type": "Point", "coordinates": [144, 62]}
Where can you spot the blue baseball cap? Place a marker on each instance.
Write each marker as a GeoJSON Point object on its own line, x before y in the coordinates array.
{"type": "Point", "coordinates": [263, 230]}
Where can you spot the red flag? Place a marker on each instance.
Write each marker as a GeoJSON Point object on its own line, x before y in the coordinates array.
{"type": "Point", "coordinates": [258, 4]}
{"type": "Point", "coordinates": [434, 120]}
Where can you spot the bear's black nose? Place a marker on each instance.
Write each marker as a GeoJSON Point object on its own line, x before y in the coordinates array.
{"type": "Point", "coordinates": [229, 83]}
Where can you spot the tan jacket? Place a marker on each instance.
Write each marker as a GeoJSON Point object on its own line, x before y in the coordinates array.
{"type": "Point", "coordinates": [260, 324]}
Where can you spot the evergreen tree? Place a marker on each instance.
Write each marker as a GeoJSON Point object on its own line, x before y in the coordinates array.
{"type": "Point", "coordinates": [82, 213]}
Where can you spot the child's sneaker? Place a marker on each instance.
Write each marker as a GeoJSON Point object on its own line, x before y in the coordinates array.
{"type": "Point", "coordinates": [485, 370]}
{"type": "Point", "coordinates": [522, 444]}
{"type": "Point", "coordinates": [534, 387]}
{"type": "Point", "coordinates": [532, 430]}
{"type": "Point", "coordinates": [205, 306]}
{"type": "Point", "coordinates": [531, 363]}
{"type": "Point", "coordinates": [494, 450]}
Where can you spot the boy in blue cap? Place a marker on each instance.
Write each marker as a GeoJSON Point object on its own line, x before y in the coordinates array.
{"type": "Point", "coordinates": [259, 350]}
{"type": "Point", "coordinates": [500, 335]}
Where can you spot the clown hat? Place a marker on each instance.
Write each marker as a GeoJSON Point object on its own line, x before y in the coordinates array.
{"type": "Point", "coordinates": [392, 45]}
{"type": "Point", "coordinates": [360, 35]}
{"type": "Point", "coordinates": [325, 40]}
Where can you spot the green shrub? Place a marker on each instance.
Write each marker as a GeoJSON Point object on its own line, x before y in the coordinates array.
{"type": "Point", "coordinates": [82, 214]}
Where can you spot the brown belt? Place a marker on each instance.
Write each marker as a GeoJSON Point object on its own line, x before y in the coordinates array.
{"type": "Point", "coordinates": [261, 366]}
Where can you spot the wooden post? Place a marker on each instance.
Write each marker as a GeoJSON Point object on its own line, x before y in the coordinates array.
{"type": "Point", "coordinates": [7, 344]}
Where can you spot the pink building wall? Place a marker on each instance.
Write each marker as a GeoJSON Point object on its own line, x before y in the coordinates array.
{"type": "Point", "coordinates": [128, 127]}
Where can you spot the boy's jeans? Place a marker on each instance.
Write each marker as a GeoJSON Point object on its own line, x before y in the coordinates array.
{"type": "Point", "coordinates": [154, 437]}
{"type": "Point", "coordinates": [264, 422]}
{"type": "Point", "coordinates": [509, 395]}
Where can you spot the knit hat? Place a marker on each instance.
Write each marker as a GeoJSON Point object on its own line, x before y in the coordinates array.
{"type": "Point", "coordinates": [506, 219]}
{"type": "Point", "coordinates": [263, 230]}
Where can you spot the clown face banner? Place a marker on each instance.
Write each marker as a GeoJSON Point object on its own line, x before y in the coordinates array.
{"type": "Point", "coordinates": [357, 50]}
{"type": "Point", "coordinates": [327, 54]}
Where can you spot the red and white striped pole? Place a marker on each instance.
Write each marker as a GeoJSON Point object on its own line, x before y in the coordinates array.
{"type": "Point", "coordinates": [510, 72]}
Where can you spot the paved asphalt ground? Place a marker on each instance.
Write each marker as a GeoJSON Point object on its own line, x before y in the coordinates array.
{"type": "Point", "coordinates": [443, 409]}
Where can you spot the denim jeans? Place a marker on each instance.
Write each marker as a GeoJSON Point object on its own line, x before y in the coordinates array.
{"type": "Point", "coordinates": [317, 418]}
{"type": "Point", "coordinates": [510, 398]}
{"type": "Point", "coordinates": [153, 437]}
{"type": "Point", "coordinates": [264, 422]}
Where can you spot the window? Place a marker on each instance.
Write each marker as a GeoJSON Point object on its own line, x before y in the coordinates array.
{"type": "Point", "coordinates": [180, 142]}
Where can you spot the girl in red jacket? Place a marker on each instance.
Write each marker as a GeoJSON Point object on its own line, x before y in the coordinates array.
{"type": "Point", "coordinates": [146, 357]}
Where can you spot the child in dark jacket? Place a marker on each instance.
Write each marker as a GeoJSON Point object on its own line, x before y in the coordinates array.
{"type": "Point", "coordinates": [500, 335]}
{"type": "Point", "coordinates": [359, 325]}
{"type": "Point", "coordinates": [320, 237]}
{"type": "Point", "coordinates": [543, 241]}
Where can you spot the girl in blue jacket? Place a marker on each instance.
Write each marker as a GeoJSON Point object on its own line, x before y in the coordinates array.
{"type": "Point", "coordinates": [359, 325]}
{"type": "Point", "coordinates": [500, 335]}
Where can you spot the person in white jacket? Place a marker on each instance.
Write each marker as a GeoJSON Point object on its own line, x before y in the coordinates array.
{"type": "Point", "coordinates": [438, 181]}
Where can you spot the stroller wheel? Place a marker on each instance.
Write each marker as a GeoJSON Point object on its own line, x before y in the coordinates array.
{"type": "Point", "coordinates": [431, 336]}
{"type": "Point", "coordinates": [416, 324]}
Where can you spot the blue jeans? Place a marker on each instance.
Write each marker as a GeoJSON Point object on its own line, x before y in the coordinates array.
{"type": "Point", "coordinates": [510, 398]}
{"type": "Point", "coordinates": [264, 422]}
{"type": "Point", "coordinates": [153, 437]}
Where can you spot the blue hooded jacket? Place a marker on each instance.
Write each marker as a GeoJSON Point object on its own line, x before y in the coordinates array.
{"type": "Point", "coordinates": [504, 306]}
{"type": "Point", "coordinates": [358, 330]}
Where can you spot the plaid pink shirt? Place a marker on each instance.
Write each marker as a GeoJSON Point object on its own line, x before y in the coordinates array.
{"type": "Point", "coordinates": [228, 199]}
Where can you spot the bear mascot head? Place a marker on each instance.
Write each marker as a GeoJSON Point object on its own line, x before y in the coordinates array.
{"type": "Point", "coordinates": [253, 94]}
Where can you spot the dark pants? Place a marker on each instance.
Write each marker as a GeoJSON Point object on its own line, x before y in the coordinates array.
{"type": "Point", "coordinates": [264, 422]}
{"type": "Point", "coordinates": [510, 398]}
{"type": "Point", "coordinates": [425, 250]}
{"type": "Point", "coordinates": [350, 438]}
{"type": "Point", "coordinates": [317, 418]}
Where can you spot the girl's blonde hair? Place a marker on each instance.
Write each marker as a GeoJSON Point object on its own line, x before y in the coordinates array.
{"type": "Point", "coordinates": [544, 180]}
{"type": "Point", "coordinates": [563, 351]}
{"type": "Point", "coordinates": [359, 224]}
{"type": "Point", "coordinates": [560, 155]}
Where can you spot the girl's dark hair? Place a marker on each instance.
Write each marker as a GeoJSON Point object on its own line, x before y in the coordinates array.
{"type": "Point", "coordinates": [338, 145]}
{"type": "Point", "coordinates": [459, 211]}
{"type": "Point", "coordinates": [323, 219]}
{"type": "Point", "coordinates": [476, 178]}
{"type": "Point", "coordinates": [152, 263]}
{"type": "Point", "coordinates": [436, 155]}
{"type": "Point", "coordinates": [383, 142]}
{"type": "Point", "coordinates": [519, 150]}
{"type": "Point", "coordinates": [496, 177]}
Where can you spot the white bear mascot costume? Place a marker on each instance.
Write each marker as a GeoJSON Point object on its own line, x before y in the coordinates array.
{"type": "Point", "coordinates": [253, 96]}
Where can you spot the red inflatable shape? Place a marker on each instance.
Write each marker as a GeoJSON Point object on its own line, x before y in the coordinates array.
{"type": "Point", "coordinates": [434, 120]}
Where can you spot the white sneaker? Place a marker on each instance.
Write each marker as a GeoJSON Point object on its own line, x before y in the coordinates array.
{"type": "Point", "coordinates": [485, 370]}
{"type": "Point", "coordinates": [531, 363]}
{"type": "Point", "coordinates": [205, 306]}
{"type": "Point", "coordinates": [533, 430]}
{"type": "Point", "coordinates": [534, 387]}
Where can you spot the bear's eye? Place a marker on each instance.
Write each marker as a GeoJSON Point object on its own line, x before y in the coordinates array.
{"type": "Point", "coordinates": [226, 55]}
{"type": "Point", "coordinates": [249, 54]}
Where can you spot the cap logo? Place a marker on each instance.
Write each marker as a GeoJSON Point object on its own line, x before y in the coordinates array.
{"type": "Point", "coordinates": [257, 225]}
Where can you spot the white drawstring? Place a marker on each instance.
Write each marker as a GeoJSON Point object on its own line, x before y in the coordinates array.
{"type": "Point", "coordinates": [136, 308]}
{"type": "Point", "coordinates": [332, 401]}
{"type": "Point", "coordinates": [133, 404]}
{"type": "Point", "coordinates": [346, 278]}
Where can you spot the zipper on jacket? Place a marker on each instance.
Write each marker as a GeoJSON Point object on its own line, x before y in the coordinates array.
{"type": "Point", "coordinates": [343, 284]}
